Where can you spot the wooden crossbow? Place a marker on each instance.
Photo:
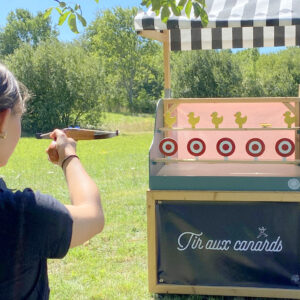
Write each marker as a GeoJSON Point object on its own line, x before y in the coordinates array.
{"type": "Point", "coordinates": [82, 134]}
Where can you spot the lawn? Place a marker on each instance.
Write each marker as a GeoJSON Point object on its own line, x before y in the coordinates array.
{"type": "Point", "coordinates": [128, 123]}
{"type": "Point", "coordinates": [113, 265]}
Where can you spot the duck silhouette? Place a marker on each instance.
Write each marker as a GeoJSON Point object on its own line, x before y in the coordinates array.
{"type": "Point", "coordinates": [216, 120]}
{"type": "Point", "coordinates": [239, 119]}
{"type": "Point", "coordinates": [193, 120]}
{"type": "Point", "coordinates": [169, 121]}
{"type": "Point", "coordinates": [288, 119]}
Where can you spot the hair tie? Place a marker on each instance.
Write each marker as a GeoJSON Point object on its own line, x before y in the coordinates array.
{"type": "Point", "coordinates": [64, 161]}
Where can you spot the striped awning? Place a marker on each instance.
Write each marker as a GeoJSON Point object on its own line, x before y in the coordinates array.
{"type": "Point", "coordinates": [232, 24]}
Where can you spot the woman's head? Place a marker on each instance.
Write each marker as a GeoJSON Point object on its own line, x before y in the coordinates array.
{"type": "Point", "coordinates": [13, 96]}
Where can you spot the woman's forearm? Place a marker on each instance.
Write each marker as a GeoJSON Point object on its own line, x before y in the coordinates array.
{"type": "Point", "coordinates": [82, 188]}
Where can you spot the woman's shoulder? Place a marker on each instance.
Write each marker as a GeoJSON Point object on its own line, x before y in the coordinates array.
{"type": "Point", "coordinates": [16, 199]}
{"type": "Point", "coordinates": [29, 200]}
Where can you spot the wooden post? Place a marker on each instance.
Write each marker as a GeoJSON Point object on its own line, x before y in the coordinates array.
{"type": "Point", "coordinates": [167, 69]}
{"type": "Point", "coordinates": [297, 123]}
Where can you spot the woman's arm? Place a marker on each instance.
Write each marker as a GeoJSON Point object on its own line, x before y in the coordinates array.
{"type": "Point", "coordinates": [86, 210]}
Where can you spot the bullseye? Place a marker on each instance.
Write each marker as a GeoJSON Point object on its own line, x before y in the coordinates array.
{"type": "Point", "coordinates": [255, 147]}
{"type": "Point", "coordinates": [168, 147]}
{"type": "Point", "coordinates": [226, 147]}
{"type": "Point", "coordinates": [196, 147]}
{"type": "Point", "coordinates": [285, 147]}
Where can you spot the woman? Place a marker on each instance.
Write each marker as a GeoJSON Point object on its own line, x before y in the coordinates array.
{"type": "Point", "coordinates": [33, 226]}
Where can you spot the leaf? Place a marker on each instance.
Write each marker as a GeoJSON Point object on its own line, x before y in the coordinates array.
{"type": "Point", "coordinates": [202, 2]}
{"type": "Point", "coordinates": [62, 4]}
{"type": "Point", "coordinates": [197, 9]}
{"type": "Point", "coordinates": [181, 4]}
{"type": "Point", "coordinates": [81, 19]}
{"type": "Point", "coordinates": [165, 14]}
{"type": "Point", "coordinates": [72, 23]}
{"type": "Point", "coordinates": [77, 6]}
{"type": "Point", "coordinates": [97, 1]}
{"type": "Point", "coordinates": [48, 13]}
{"type": "Point", "coordinates": [59, 10]}
{"type": "Point", "coordinates": [176, 10]}
{"type": "Point", "coordinates": [188, 8]}
{"type": "Point", "coordinates": [146, 3]}
{"type": "Point", "coordinates": [156, 5]}
{"type": "Point", "coordinates": [204, 17]}
{"type": "Point", "coordinates": [63, 18]}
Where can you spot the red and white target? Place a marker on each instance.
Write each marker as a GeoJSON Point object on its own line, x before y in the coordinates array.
{"type": "Point", "coordinates": [226, 147]}
{"type": "Point", "coordinates": [255, 147]}
{"type": "Point", "coordinates": [196, 147]}
{"type": "Point", "coordinates": [168, 147]}
{"type": "Point", "coordinates": [285, 147]}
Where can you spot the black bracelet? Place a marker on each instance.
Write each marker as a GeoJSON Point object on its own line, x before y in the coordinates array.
{"type": "Point", "coordinates": [70, 156]}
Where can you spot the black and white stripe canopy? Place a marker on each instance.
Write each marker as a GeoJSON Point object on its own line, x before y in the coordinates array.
{"type": "Point", "coordinates": [232, 24]}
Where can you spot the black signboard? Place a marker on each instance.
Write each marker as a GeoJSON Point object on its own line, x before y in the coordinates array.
{"type": "Point", "coordinates": [240, 244]}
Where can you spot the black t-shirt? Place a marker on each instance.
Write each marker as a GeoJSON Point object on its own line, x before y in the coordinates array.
{"type": "Point", "coordinates": [33, 227]}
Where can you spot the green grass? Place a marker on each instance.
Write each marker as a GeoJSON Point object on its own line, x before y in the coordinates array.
{"type": "Point", "coordinates": [113, 265]}
{"type": "Point", "coordinates": [128, 123]}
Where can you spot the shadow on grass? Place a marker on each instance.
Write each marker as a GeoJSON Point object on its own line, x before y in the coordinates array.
{"type": "Point", "coordinates": [198, 297]}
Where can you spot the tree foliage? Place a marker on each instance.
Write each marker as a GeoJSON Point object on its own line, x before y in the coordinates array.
{"type": "Point", "coordinates": [274, 74]}
{"type": "Point", "coordinates": [205, 74]}
{"type": "Point", "coordinates": [112, 68]}
{"type": "Point", "coordinates": [23, 27]}
{"type": "Point", "coordinates": [64, 81]}
{"type": "Point", "coordinates": [131, 63]}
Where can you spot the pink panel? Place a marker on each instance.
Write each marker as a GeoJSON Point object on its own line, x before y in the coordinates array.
{"type": "Point", "coordinates": [256, 113]}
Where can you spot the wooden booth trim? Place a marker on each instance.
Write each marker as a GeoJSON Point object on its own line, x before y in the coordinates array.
{"type": "Point", "coordinates": [153, 35]}
{"type": "Point", "coordinates": [227, 291]}
{"type": "Point", "coordinates": [297, 123]}
{"type": "Point", "coordinates": [155, 196]}
{"type": "Point", "coordinates": [290, 107]}
{"type": "Point", "coordinates": [229, 129]}
{"type": "Point", "coordinates": [234, 100]}
{"type": "Point", "coordinates": [162, 36]}
{"type": "Point", "coordinates": [261, 196]}
{"type": "Point", "coordinates": [167, 65]}
{"type": "Point", "coordinates": [230, 161]}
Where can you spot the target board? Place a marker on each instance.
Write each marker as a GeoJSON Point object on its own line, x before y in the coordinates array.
{"type": "Point", "coordinates": [196, 147]}
{"type": "Point", "coordinates": [225, 147]}
{"type": "Point", "coordinates": [168, 147]}
{"type": "Point", "coordinates": [255, 147]}
{"type": "Point", "coordinates": [285, 147]}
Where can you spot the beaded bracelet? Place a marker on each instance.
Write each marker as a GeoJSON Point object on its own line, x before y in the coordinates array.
{"type": "Point", "coordinates": [70, 156]}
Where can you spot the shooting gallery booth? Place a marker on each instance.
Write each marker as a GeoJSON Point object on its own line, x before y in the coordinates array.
{"type": "Point", "coordinates": [223, 206]}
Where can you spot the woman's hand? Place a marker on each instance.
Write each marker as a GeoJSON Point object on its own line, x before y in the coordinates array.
{"type": "Point", "coordinates": [61, 147]}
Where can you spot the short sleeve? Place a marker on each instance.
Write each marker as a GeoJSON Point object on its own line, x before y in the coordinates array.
{"type": "Point", "coordinates": [46, 224]}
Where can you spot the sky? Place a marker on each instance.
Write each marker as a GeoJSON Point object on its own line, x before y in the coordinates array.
{"type": "Point", "coordinates": [89, 9]}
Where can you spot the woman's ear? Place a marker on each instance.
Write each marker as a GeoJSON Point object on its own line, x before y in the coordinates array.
{"type": "Point", "coordinates": [4, 115]}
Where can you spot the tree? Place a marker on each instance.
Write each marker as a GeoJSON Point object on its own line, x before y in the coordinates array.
{"type": "Point", "coordinates": [248, 60]}
{"type": "Point", "coordinates": [274, 74]}
{"type": "Point", "coordinates": [129, 60]}
{"type": "Point", "coordinates": [23, 27]}
{"type": "Point", "coordinates": [205, 74]}
{"type": "Point", "coordinates": [275, 77]}
{"type": "Point", "coordinates": [65, 82]}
